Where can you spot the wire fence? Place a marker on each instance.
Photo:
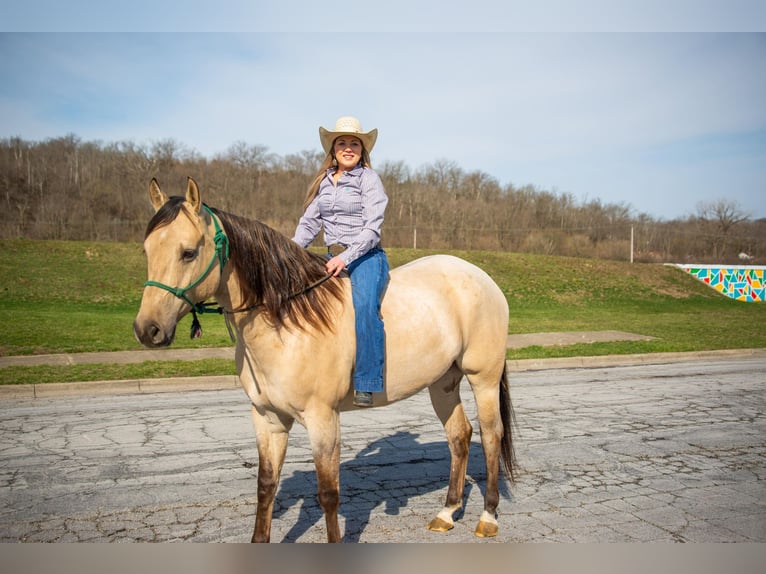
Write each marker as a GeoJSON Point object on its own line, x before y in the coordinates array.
{"type": "Point", "coordinates": [654, 243]}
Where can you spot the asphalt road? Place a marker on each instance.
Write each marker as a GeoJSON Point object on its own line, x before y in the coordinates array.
{"type": "Point", "coordinates": [644, 453]}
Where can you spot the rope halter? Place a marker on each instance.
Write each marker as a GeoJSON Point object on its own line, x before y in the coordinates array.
{"type": "Point", "coordinates": [221, 255]}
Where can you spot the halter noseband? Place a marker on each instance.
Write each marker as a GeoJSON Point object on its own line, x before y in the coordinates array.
{"type": "Point", "coordinates": [221, 255]}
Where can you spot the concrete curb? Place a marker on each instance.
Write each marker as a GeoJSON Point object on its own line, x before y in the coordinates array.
{"type": "Point", "coordinates": [123, 387]}
{"type": "Point", "coordinates": [631, 360]}
{"type": "Point", "coordinates": [143, 355]}
{"type": "Point", "coordinates": [227, 382]}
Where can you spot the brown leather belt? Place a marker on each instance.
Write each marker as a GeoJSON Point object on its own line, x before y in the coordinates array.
{"type": "Point", "coordinates": [336, 249]}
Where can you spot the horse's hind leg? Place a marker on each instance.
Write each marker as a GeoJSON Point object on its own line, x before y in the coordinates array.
{"type": "Point", "coordinates": [445, 398]}
{"type": "Point", "coordinates": [487, 394]}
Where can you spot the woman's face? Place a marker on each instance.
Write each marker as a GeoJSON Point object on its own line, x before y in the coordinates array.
{"type": "Point", "coordinates": [347, 151]}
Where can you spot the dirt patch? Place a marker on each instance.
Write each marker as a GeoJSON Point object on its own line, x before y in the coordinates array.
{"type": "Point", "coordinates": [570, 338]}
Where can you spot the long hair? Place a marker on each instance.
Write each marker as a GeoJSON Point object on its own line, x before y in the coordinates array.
{"type": "Point", "coordinates": [329, 161]}
{"type": "Point", "coordinates": [277, 274]}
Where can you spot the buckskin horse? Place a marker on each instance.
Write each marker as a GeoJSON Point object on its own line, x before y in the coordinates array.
{"type": "Point", "coordinates": [445, 319]}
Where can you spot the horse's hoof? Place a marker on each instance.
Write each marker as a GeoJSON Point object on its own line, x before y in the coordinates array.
{"type": "Point", "coordinates": [486, 529]}
{"type": "Point", "coordinates": [440, 525]}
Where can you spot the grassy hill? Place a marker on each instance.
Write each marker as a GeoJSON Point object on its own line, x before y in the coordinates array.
{"type": "Point", "coordinates": [71, 296]}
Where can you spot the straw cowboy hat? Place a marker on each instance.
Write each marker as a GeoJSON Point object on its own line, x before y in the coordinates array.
{"type": "Point", "coordinates": [347, 126]}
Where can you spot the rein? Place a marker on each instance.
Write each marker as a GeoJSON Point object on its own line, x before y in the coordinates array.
{"type": "Point", "coordinates": [221, 255]}
{"type": "Point", "coordinates": [211, 307]}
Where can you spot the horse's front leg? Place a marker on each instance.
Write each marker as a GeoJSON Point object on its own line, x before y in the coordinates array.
{"type": "Point", "coordinates": [324, 434]}
{"type": "Point", "coordinates": [271, 434]}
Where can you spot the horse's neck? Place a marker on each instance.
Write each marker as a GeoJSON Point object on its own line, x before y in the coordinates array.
{"type": "Point", "coordinates": [229, 294]}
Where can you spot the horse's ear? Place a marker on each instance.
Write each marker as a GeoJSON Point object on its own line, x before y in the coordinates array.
{"type": "Point", "coordinates": [192, 195]}
{"type": "Point", "coordinates": [156, 195]}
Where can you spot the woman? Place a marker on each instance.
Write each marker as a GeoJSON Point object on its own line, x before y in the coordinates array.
{"type": "Point", "coordinates": [348, 201]}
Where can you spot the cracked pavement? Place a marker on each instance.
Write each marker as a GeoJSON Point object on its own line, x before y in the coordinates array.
{"type": "Point", "coordinates": [648, 453]}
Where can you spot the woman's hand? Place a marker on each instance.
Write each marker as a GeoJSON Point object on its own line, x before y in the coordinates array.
{"type": "Point", "coordinates": [334, 266]}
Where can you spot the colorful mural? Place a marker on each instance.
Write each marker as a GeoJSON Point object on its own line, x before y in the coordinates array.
{"type": "Point", "coordinates": [740, 282]}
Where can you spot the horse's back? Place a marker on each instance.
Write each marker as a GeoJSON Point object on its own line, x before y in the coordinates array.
{"type": "Point", "coordinates": [449, 280]}
{"type": "Point", "coordinates": [441, 310]}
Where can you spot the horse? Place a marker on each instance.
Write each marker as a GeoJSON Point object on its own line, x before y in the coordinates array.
{"type": "Point", "coordinates": [444, 319]}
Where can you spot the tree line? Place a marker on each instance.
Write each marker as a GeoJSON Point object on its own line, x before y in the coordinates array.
{"type": "Point", "coordinates": [66, 188]}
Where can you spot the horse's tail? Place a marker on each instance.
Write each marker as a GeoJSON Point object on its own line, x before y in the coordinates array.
{"type": "Point", "coordinates": [508, 417]}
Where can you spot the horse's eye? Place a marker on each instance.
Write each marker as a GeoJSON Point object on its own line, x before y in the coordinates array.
{"type": "Point", "coordinates": [189, 254]}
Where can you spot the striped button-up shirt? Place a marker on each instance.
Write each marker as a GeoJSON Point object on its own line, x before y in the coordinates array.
{"type": "Point", "coordinates": [350, 211]}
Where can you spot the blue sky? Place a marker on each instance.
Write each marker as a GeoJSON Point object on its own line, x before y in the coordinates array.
{"type": "Point", "coordinates": [657, 114]}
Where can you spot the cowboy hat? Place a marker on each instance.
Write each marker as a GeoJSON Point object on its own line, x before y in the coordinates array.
{"type": "Point", "coordinates": [347, 126]}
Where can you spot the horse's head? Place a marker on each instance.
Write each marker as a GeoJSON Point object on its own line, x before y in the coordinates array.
{"type": "Point", "coordinates": [185, 251]}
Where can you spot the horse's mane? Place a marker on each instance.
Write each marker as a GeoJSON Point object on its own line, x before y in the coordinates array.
{"type": "Point", "coordinates": [273, 271]}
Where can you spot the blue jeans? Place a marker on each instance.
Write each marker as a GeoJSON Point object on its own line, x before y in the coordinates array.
{"type": "Point", "coordinates": [369, 278]}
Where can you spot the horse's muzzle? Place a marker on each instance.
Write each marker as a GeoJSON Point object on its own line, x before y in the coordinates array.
{"type": "Point", "coordinates": [152, 335]}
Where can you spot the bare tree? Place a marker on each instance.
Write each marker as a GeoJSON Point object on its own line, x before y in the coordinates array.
{"type": "Point", "coordinates": [64, 188]}
{"type": "Point", "coordinates": [719, 218]}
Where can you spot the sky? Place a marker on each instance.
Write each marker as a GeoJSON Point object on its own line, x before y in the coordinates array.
{"type": "Point", "coordinates": [656, 106]}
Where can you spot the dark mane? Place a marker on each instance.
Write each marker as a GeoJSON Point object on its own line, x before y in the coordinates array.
{"type": "Point", "coordinates": [165, 214]}
{"type": "Point", "coordinates": [274, 271]}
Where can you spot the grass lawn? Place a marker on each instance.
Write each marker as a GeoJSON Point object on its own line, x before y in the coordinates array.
{"type": "Point", "coordinates": [71, 296]}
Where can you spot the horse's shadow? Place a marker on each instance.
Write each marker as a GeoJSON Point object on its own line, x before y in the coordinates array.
{"type": "Point", "coordinates": [391, 470]}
